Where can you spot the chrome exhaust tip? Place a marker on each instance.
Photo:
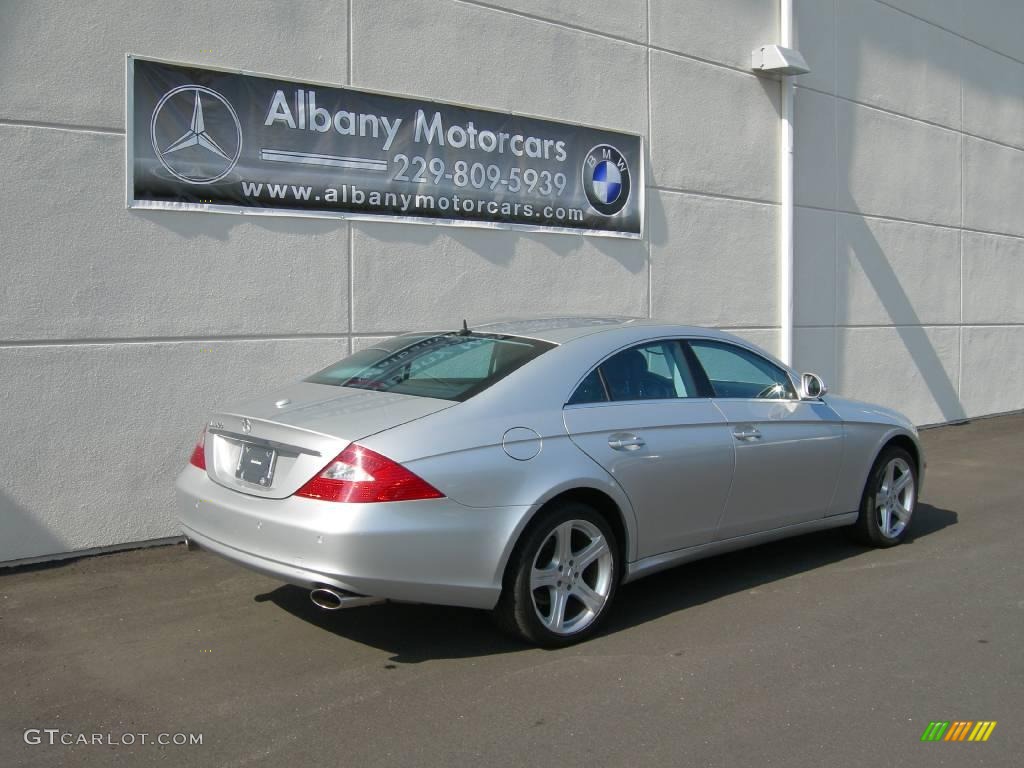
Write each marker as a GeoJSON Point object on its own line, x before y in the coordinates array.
{"type": "Point", "coordinates": [331, 599]}
{"type": "Point", "coordinates": [327, 599]}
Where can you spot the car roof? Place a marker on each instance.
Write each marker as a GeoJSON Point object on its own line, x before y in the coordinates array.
{"type": "Point", "coordinates": [559, 330]}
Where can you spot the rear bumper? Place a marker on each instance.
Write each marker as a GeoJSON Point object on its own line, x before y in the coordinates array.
{"type": "Point", "coordinates": [432, 551]}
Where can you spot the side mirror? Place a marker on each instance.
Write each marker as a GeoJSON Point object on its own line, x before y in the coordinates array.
{"type": "Point", "coordinates": [812, 385]}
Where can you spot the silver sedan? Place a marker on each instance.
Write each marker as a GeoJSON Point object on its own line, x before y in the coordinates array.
{"type": "Point", "coordinates": [530, 467]}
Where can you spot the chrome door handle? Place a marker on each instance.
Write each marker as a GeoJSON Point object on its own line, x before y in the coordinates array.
{"type": "Point", "coordinates": [624, 441]}
{"type": "Point", "coordinates": [746, 433]}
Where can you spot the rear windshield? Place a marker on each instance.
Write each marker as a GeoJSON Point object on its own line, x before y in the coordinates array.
{"type": "Point", "coordinates": [449, 366]}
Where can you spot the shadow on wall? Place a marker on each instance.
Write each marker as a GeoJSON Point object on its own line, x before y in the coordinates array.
{"type": "Point", "coordinates": [887, 287]}
{"type": "Point", "coordinates": [218, 226]}
{"type": "Point", "coordinates": [878, 269]}
{"type": "Point", "coordinates": [416, 633]}
{"type": "Point", "coordinates": [501, 250]}
{"type": "Point", "coordinates": [22, 535]}
{"type": "Point", "coordinates": [448, 246]}
{"type": "Point", "coordinates": [497, 246]}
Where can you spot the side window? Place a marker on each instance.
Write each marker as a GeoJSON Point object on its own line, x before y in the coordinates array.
{"type": "Point", "coordinates": [652, 371]}
{"type": "Point", "coordinates": [737, 372]}
{"type": "Point", "coordinates": [590, 390]}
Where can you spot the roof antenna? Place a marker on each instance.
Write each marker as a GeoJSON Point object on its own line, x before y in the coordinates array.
{"type": "Point", "coordinates": [465, 329]}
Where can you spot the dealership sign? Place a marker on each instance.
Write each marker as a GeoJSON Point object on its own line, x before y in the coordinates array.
{"type": "Point", "coordinates": [212, 140]}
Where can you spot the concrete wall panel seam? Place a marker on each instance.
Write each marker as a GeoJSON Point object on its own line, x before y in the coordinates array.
{"type": "Point", "coordinates": [950, 31]}
{"type": "Point", "coordinates": [713, 195]}
{"type": "Point", "coordinates": [896, 113]}
{"type": "Point", "coordinates": [62, 126]}
{"type": "Point", "coordinates": [889, 218]}
{"type": "Point", "coordinates": [893, 112]}
{"type": "Point", "coordinates": [550, 20]}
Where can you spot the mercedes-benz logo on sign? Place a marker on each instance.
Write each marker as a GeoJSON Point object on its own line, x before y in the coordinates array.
{"type": "Point", "coordinates": [606, 179]}
{"type": "Point", "coordinates": [209, 147]}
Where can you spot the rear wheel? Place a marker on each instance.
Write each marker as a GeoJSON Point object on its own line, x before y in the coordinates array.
{"type": "Point", "coordinates": [889, 499]}
{"type": "Point", "coordinates": [562, 577]}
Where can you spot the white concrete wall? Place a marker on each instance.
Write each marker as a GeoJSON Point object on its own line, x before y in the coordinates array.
{"type": "Point", "coordinates": [120, 330]}
{"type": "Point", "coordinates": [909, 182]}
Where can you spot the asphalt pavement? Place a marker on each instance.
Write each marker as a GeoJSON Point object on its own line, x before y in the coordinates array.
{"type": "Point", "coordinates": [809, 652]}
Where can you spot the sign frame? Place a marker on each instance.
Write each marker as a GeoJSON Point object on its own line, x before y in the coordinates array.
{"type": "Point", "coordinates": [131, 202]}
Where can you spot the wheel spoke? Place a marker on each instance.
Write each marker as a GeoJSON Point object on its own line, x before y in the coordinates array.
{"type": "Point", "coordinates": [556, 619]}
{"type": "Point", "coordinates": [904, 509]}
{"type": "Point", "coordinates": [563, 543]}
{"type": "Point", "coordinates": [885, 524]}
{"type": "Point", "coordinates": [593, 601]}
{"type": "Point", "coordinates": [591, 552]}
{"type": "Point", "coordinates": [544, 577]}
{"type": "Point", "coordinates": [905, 479]}
{"type": "Point", "coordinates": [881, 500]}
{"type": "Point", "coordinates": [889, 472]}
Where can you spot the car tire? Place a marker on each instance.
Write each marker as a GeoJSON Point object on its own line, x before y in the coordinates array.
{"type": "Point", "coordinates": [561, 578]}
{"type": "Point", "coordinates": [889, 499]}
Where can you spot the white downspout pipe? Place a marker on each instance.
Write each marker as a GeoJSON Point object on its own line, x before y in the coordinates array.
{"type": "Point", "coordinates": [786, 193]}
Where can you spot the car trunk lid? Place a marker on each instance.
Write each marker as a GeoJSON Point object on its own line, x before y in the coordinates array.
{"type": "Point", "coordinates": [272, 445]}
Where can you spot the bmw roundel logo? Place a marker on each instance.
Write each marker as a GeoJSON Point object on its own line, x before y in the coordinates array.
{"type": "Point", "coordinates": [606, 179]}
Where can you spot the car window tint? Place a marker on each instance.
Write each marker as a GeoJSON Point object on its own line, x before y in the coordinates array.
{"type": "Point", "coordinates": [590, 390]}
{"type": "Point", "coordinates": [652, 371]}
{"type": "Point", "coordinates": [451, 366]}
{"type": "Point", "coordinates": [737, 372]}
{"type": "Point", "coordinates": [469, 361]}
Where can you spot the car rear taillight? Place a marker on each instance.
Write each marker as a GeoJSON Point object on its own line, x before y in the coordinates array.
{"type": "Point", "coordinates": [198, 457]}
{"type": "Point", "coordinates": [358, 475]}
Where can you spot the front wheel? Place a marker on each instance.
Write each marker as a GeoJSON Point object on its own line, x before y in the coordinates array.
{"type": "Point", "coordinates": [889, 499]}
{"type": "Point", "coordinates": [562, 577]}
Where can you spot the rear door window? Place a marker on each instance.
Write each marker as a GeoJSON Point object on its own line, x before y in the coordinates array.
{"type": "Point", "coordinates": [651, 371]}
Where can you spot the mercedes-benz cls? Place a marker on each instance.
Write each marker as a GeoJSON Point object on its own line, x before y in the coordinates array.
{"type": "Point", "coordinates": [531, 467]}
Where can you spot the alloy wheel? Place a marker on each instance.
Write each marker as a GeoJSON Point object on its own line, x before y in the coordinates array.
{"type": "Point", "coordinates": [571, 577]}
{"type": "Point", "coordinates": [894, 498]}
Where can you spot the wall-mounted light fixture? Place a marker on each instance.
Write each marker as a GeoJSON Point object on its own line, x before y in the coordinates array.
{"type": "Point", "coordinates": [777, 60]}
